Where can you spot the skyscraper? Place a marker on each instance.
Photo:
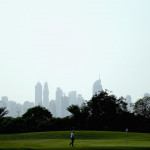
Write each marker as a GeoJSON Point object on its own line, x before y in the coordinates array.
{"type": "Point", "coordinates": [80, 99]}
{"type": "Point", "coordinates": [46, 95]}
{"type": "Point", "coordinates": [52, 107]}
{"type": "Point", "coordinates": [38, 94]}
{"type": "Point", "coordinates": [4, 101]}
{"type": "Point", "coordinates": [97, 87]}
{"type": "Point", "coordinates": [64, 106]}
{"type": "Point", "coordinates": [73, 98]}
{"type": "Point", "coordinates": [128, 101]}
{"type": "Point", "coordinates": [59, 97]}
{"type": "Point", "coordinates": [26, 106]}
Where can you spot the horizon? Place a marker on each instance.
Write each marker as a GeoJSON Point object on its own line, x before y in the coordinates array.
{"type": "Point", "coordinates": [67, 94]}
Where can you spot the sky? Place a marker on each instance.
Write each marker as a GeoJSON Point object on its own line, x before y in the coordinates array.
{"type": "Point", "coordinates": [70, 43]}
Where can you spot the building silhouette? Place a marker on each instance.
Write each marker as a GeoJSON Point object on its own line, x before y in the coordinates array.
{"type": "Point", "coordinates": [97, 87]}
{"type": "Point", "coordinates": [64, 106]}
{"type": "Point", "coordinates": [73, 98]}
{"type": "Point", "coordinates": [4, 101]}
{"type": "Point", "coordinates": [129, 101]}
{"type": "Point", "coordinates": [57, 107]}
{"type": "Point", "coordinates": [59, 97]}
{"type": "Point", "coordinates": [38, 94]}
{"type": "Point", "coordinates": [46, 96]}
{"type": "Point", "coordinates": [26, 106]}
{"type": "Point", "coordinates": [52, 107]}
{"type": "Point", "coordinates": [80, 99]}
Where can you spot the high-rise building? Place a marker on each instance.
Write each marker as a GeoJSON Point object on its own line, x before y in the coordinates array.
{"type": "Point", "coordinates": [59, 97]}
{"type": "Point", "coordinates": [46, 96]}
{"type": "Point", "coordinates": [4, 101]}
{"type": "Point", "coordinates": [38, 94]}
{"type": "Point", "coordinates": [80, 99]}
{"type": "Point", "coordinates": [52, 107]}
{"type": "Point", "coordinates": [12, 108]}
{"type": "Point", "coordinates": [128, 101]}
{"type": "Point", "coordinates": [97, 87]}
{"type": "Point", "coordinates": [64, 106]}
{"type": "Point", "coordinates": [27, 105]}
{"type": "Point", "coordinates": [73, 98]}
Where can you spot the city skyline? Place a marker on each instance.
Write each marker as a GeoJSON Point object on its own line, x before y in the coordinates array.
{"type": "Point", "coordinates": [58, 106]}
{"type": "Point", "coordinates": [52, 96]}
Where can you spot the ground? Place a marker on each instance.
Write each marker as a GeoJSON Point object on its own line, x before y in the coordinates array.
{"type": "Point", "coordinates": [84, 140]}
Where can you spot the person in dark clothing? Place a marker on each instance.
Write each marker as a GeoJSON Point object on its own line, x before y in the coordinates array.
{"type": "Point", "coordinates": [72, 139]}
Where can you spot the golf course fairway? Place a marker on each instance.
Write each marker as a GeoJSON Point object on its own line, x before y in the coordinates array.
{"type": "Point", "coordinates": [84, 140]}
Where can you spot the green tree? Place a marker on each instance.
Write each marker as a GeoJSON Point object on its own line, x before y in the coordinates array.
{"type": "Point", "coordinates": [38, 113]}
{"type": "Point", "coordinates": [34, 116]}
{"type": "Point", "coordinates": [142, 107]}
{"type": "Point", "coordinates": [3, 112]}
{"type": "Point", "coordinates": [79, 116]}
{"type": "Point", "coordinates": [105, 110]}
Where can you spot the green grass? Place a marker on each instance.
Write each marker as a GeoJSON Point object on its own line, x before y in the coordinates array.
{"type": "Point", "coordinates": [84, 140]}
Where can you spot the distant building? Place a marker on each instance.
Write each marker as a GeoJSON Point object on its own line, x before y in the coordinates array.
{"type": "Point", "coordinates": [59, 97]}
{"type": "Point", "coordinates": [146, 95]}
{"type": "Point", "coordinates": [38, 94]}
{"type": "Point", "coordinates": [19, 110]}
{"type": "Point", "coordinates": [73, 98]}
{"type": "Point", "coordinates": [46, 96]}
{"type": "Point", "coordinates": [129, 101]}
{"type": "Point", "coordinates": [12, 108]}
{"type": "Point", "coordinates": [97, 87]}
{"type": "Point", "coordinates": [52, 108]}
{"type": "Point", "coordinates": [80, 99]}
{"type": "Point", "coordinates": [27, 105]}
{"type": "Point", "coordinates": [4, 101]}
{"type": "Point", "coordinates": [64, 106]}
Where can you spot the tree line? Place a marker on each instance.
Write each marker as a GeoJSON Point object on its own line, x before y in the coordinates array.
{"type": "Point", "coordinates": [103, 112]}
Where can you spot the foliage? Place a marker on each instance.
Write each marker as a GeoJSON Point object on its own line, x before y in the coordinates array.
{"type": "Point", "coordinates": [35, 116]}
{"type": "Point", "coordinates": [79, 116]}
{"type": "Point", "coordinates": [3, 112]}
{"type": "Point", "coordinates": [103, 112]}
{"type": "Point", "coordinates": [38, 113]}
{"type": "Point", "coordinates": [142, 107]}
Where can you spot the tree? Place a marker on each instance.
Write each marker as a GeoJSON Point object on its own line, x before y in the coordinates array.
{"type": "Point", "coordinates": [142, 107]}
{"type": "Point", "coordinates": [38, 113]}
{"type": "Point", "coordinates": [79, 115]}
{"type": "Point", "coordinates": [105, 110]}
{"type": "Point", "coordinates": [3, 112]}
{"type": "Point", "coordinates": [34, 116]}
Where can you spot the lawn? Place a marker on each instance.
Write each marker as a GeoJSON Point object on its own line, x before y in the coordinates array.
{"type": "Point", "coordinates": [84, 140]}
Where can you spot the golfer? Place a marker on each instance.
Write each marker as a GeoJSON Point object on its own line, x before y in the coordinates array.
{"type": "Point", "coordinates": [72, 138]}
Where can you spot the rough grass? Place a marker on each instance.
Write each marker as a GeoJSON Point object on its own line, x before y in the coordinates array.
{"type": "Point", "coordinates": [84, 140]}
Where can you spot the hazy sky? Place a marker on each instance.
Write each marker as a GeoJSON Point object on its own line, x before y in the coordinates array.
{"type": "Point", "coordinates": [68, 43]}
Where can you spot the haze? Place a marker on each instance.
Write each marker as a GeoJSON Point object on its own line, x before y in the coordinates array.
{"type": "Point", "coordinates": [69, 43]}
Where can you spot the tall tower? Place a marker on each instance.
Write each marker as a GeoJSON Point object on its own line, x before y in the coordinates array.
{"type": "Point", "coordinates": [59, 97]}
{"type": "Point", "coordinates": [73, 98]}
{"type": "Point", "coordinates": [80, 99]}
{"type": "Point", "coordinates": [45, 95]}
{"type": "Point", "coordinates": [38, 94]}
{"type": "Point", "coordinates": [128, 101]}
{"type": "Point", "coordinates": [64, 105]}
{"type": "Point", "coordinates": [97, 87]}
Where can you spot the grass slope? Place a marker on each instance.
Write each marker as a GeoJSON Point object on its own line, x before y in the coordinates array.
{"type": "Point", "coordinates": [85, 140]}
